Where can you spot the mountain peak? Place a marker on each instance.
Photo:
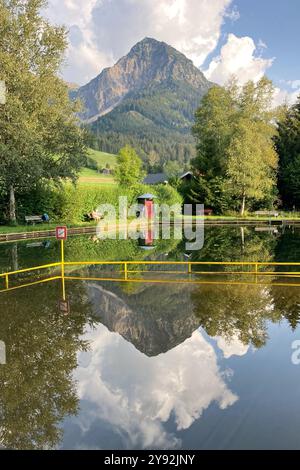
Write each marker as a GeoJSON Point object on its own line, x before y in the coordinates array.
{"type": "Point", "coordinates": [149, 62]}
{"type": "Point", "coordinates": [155, 46]}
{"type": "Point", "coordinates": [148, 42]}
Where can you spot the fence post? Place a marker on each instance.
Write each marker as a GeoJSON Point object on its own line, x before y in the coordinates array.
{"type": "Point", "coordinates": [63, 269]}
{"type": "Point", "coordinates": [62, 245]}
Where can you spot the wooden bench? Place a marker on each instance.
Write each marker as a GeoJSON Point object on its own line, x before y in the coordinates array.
{"type": "Point", "coordinates": [267, 213]}
{"type": "Point", "coordinates": [34, 219]}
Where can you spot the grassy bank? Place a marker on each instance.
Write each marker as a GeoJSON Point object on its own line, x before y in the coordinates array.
{"type": "Point", "coordinates": [71, 205]}
{"type": "Point", "coordinates": [7, 229]}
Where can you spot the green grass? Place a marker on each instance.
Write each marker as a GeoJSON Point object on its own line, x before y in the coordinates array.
{"type": "Point", "coordinates": [103, 158]}
{"type": "Point", "coordinates": [92, 177]}
{"type": "Point", "coordinates": [88, 176]}
{"type": "Point", "coordinates": [39, 227]}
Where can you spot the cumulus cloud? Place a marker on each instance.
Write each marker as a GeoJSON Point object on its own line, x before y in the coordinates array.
{"type": "Point", "coordinates": [238, 57]}
{"type": "Point", "coordinates": [84, 58]}
{"type": "Point", "coordinates": [101, 31]}
{"type": "Point", "coordinates": [135, 405]}
{"type": "Point", "coordinates": [232, 347]}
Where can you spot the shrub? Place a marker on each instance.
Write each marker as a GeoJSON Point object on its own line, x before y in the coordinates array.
{"type": "Point", "coordinates": [71, 204]}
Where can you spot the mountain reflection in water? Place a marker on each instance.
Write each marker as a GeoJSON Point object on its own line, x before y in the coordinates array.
{"type": "Point", "coordinates": [139, 365]}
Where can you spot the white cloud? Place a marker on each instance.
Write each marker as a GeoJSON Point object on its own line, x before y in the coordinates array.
{"type": "Point", "coordinates": [231, 347]}
{"type": "Point", "coordinates": [104, 30]}
{"type": "Point", "coordinates": [134, 395]}
{"type": "Point", "coordinates": [262, 45]}
{"type": "Point", "coordinates": [233, 14]}
{"type": "Point", "coordinates": [238, 57]}
{"type": "Point", "coordinates": [101, 31]}
{"type": "Point", "coordinates": [294, 84]}
{"type": "Point", "coordinates": [84, 59]}
{"type": "Point", "coordinates": [285, 97]}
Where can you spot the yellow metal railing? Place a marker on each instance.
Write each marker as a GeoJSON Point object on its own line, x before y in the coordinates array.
{"type": "Point", "coordinates": [7, 276]}
{"type": "Point", "coordinates": [129, 269]}
{"type": "Point", "coordinates": [190, 264]}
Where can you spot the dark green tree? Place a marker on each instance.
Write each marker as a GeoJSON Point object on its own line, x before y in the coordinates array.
{"type": "Point", "coordinates": [234, 130]}
{"type": "Point", "coordinates": [213, 130]}
{"type": "Point", "coordinates": [288, 148]}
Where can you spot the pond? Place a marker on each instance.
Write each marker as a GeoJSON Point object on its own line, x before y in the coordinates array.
{"type": "Point", "coordinates": [142, 365]}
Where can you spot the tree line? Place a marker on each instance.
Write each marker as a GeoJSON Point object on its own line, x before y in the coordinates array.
{"type": "Point", "coordinates": [248, 152]}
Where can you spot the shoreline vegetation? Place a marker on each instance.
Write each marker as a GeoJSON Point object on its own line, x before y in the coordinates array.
{"type": "Point", "coordinates": [246, 155]}
{"type": "Point", "coordinates": [43, 230]}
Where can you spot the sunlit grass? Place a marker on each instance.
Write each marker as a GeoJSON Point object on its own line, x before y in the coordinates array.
{"type": "Point", "coordinates": [88, 176]}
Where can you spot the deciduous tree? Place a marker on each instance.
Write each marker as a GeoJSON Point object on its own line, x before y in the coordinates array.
{"type": "Point", "coordinates": [39, 135]}
{"type": "Point", "coordinates": [129, 167]}
{"type": "Point", "coordinates": [288, 148]}
{"type": "Point", "coordinates": [234, 129]}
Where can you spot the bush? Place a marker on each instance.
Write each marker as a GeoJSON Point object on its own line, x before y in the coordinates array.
{"type": "Point", "coordinates": [71, 204]}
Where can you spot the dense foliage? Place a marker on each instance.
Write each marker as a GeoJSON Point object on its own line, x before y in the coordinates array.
{"type": "Point", "coordinates": [72, 204]}
{"type": "Point", "coordinates": [234, 130]}
{"type": "Point", "coordinates": [128, 171]}
{"type": "Point", "coordinates": [157, 119]}
{"type": "Point", "coordinates": [288, 148]}
{"type": "Point", "coordinates": [39, 135]}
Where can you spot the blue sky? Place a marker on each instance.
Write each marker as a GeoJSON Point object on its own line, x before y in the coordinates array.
{"type": "Point", "coordinates": [245, 38]}
{"type": "Point", "coordinates": [277, 24]}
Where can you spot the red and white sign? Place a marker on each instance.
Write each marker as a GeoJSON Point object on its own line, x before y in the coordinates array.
{"type": "Point", "coordinates": [61, 233]}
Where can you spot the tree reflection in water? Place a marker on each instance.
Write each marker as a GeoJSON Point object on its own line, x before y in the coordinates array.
{"type": "Point", "coordinates": [36, 386]}
{"type": "Point", "coordinates": [37, 389]}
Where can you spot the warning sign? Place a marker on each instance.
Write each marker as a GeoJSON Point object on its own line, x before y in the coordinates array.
{"type": "Point", "coordinates": [2, 92]}
{"type": "Point", "coordinates": [61, 233]}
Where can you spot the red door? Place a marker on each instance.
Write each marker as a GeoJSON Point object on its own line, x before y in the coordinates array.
{"type": "Point", "coordinates": [149, 237]}
{"type": "Point", "coordinates": [149, 209]}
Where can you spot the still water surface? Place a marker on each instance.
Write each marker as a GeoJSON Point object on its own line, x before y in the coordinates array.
{"type": "Point", "coordinates": [151, 366]}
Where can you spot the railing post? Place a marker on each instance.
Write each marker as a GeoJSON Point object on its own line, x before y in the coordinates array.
{"type": "Point", "coordinates": [256, 272]}
{"type": "Point", "coordinates": [62, 244]}
{"type": "Point", "coordinates": [63, 269]}
{"type": "Point", "coordinates": [6, 281]}
{"type": "Point", "coordinates": [126, 271]}
{"type": "Point", "coordinates": [190, 268]}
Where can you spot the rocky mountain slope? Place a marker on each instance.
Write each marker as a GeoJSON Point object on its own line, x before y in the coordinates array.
{"type": "Point", "coordinates": [147, 99]}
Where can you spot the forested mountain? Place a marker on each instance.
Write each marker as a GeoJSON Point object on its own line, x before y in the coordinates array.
{"type": "Point", "coordinates": [148, 99]}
